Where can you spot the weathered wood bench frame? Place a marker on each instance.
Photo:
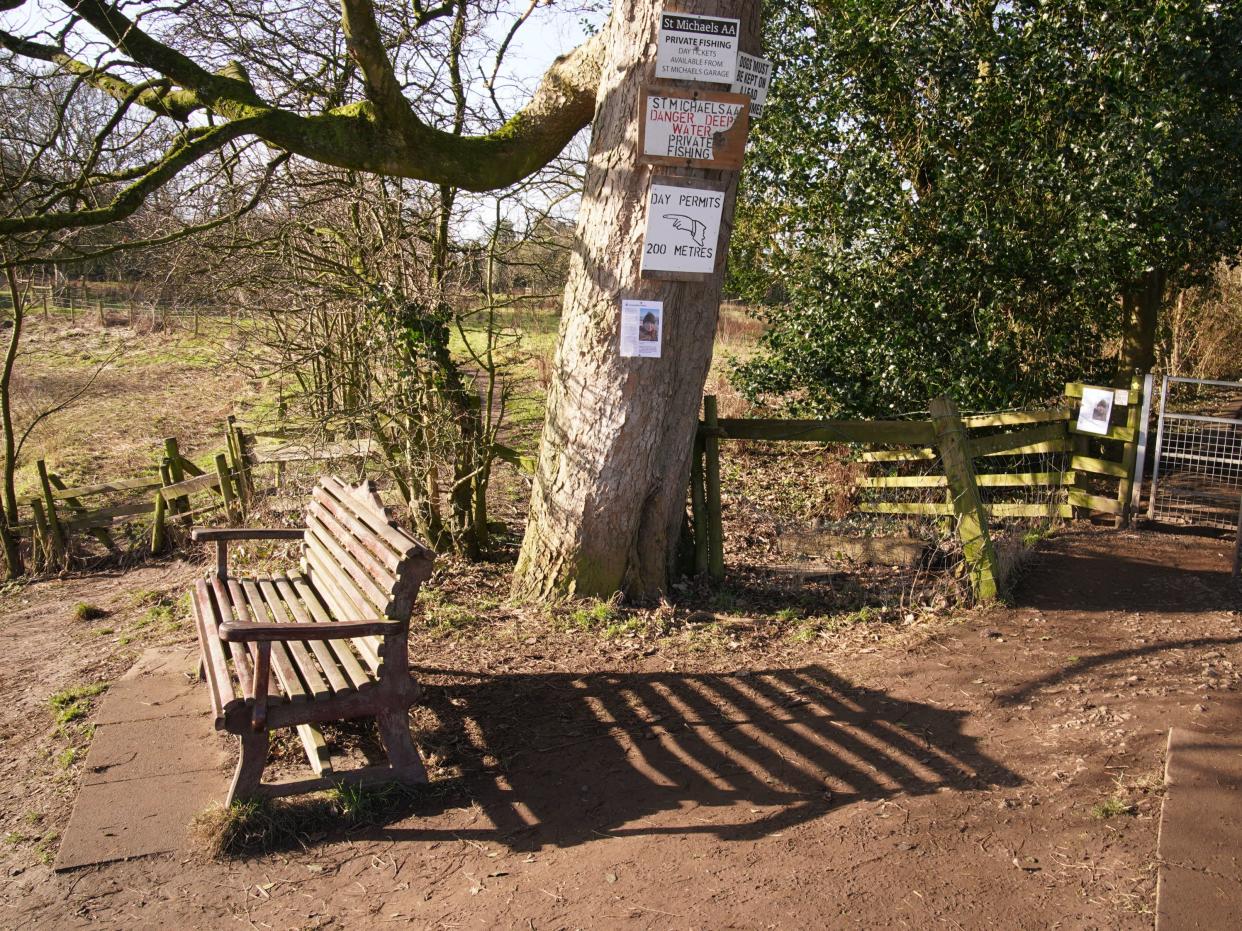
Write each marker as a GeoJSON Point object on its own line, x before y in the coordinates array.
{"type": "Point", "coordinates": [326, 643]}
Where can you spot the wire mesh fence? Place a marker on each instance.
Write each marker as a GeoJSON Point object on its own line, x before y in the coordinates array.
{"type": "Point", "coordinates": [1197, 474]}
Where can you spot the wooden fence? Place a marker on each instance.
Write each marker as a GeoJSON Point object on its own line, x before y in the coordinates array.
{"type": "Point", "coordinates": [177, 493]}
{"type": "Point", "coordinates": [978, 460]}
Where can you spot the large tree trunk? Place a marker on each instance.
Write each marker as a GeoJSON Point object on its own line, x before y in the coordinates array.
{"type": "Point", "coordinates": [1141, 308]}
{"type": "Point", "coordinates": [613, 473]}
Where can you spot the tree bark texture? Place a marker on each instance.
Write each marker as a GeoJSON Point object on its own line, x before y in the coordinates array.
{"type": "Point", "coordinates": [1141, 309]}
{"type": "Point", "coordinates": [610, 490]}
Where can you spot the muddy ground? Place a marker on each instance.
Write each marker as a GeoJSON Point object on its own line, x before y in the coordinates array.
{"type": "Point", "coordinates": [995, 769]}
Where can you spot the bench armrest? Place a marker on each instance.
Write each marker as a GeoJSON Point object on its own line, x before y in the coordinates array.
{"type": "Point", "coordinates": [208, 534]}
{"type": "Point", "coordinates": [221, 536]}
{"type": "Point", "coordinates": [245, 632]}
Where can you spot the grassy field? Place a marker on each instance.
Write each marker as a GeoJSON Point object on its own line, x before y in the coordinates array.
{"type": "Point", "coordinates": [130, 387]}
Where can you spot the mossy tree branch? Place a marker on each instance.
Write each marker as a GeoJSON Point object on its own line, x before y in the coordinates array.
{"type": "Point", "coordinates": [382, 134]}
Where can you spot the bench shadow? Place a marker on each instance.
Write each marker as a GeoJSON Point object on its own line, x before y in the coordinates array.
{"type": "Point", "coordinates": [559, 758]}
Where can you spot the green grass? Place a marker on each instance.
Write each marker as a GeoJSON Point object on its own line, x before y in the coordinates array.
{"type": "Point", "coordinates": [67, 757]}
{"type": "Point", "coordinates": [255, 825]}
{"type": "Point", "coordinates": [70, 704]}
{"type": "Point", "coordinates": [630, 626]}
{"type": "Point", "coordinates": [594, 615]}
{"type": "Point", "coordinates": [83, 611]}
{"type": "Point", "coordinates": [1111, 808]}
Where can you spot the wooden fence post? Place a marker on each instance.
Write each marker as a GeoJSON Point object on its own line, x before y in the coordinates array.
{"type": "Point", "coordinates": [57, 534]}
{"type": "Point", "coordinates": [972, 519]}
{"type": "Point", "coordinates": [12, 550]}
{"type": "Point", "coordinates": [172, 456]}
{"type": "Point", "coordinates": [226, 486]}
{"type": "Point", "coordinates": [40, 536]}
{"type": "Point", "coordinates": [100, 311]}
{"type": "Point", "coordinates": [1129, 455]}
{"type": "Point", "coordinates": [715, 522]}
{"type": "Point", "coordinates": [159, 526]}
{"type": "Point", "coordinates": [698, 506]}
{"type": "Point", "coordinates": [236, 442]}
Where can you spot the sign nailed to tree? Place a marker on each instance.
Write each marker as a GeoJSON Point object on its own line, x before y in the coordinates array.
{"type": "Point", "coordinates": [754, 74]}
{"type": "Point", "coordinates": [703, 128]}
{"type": "Point", "coordinates": [683, 230]}
{"type": "Point", "coordinates": [697, 48]}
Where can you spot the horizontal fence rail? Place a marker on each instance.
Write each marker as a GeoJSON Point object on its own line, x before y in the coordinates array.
{"type": "Point", "coordinates": [1073, 477]}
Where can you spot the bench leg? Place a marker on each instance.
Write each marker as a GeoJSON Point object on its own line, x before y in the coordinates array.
{"type": "Point", "coordinates": [248, 777]}
{"type": "Point", "coordinates": [394, 728]}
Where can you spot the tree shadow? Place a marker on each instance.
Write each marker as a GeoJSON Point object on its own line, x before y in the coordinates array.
{"type": "Point", "coordinates": [560, 758]}
{"type": "Point", "coordinates": [1024, 692]}
{"type": "Point", "coordinates": [1066, 580]}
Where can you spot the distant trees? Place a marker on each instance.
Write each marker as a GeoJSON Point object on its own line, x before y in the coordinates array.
{"type": "Point", "coordinates": [983, 198]}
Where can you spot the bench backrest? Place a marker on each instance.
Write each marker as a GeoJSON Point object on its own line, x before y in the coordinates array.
{"type": "Point", "coordinates": [361, 562]}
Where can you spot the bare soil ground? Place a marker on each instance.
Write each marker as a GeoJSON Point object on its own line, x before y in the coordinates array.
{"type": "Point", "coordinates": [998, 769]}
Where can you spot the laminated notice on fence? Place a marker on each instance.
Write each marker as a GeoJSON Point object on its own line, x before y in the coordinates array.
{"type": "Point", "coordinates": [1096, 410]}
{"type": "Point", "coordinates": [683, 229]}
{"type": "Point", "coordinates": [697, 48]}
{"type": "Point", "coordinates": [642, 328]}
{"type": "Point", "coordinates": [754, 74]}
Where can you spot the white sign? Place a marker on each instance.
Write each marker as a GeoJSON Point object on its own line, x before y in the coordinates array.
{"type": "Point", "coordinates": [1096, 410]}
{"type": "Point", "coordinates": [753, 77]}
{"type": "Point", "coordinates": [688, 127]}
{"type": "Point", "coordinates": [683, 229]}
{"type": "Point", "coordinates": [697, 48]}
{"type": "Point", "coordinates": [642, 328]}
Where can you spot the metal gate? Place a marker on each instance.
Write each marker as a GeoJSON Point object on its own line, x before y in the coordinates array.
{"type": "Point", "coordinates": [1197, 474]}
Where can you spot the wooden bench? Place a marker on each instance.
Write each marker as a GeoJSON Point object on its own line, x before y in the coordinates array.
{"type": "Point", "coordinates": [326, 642]}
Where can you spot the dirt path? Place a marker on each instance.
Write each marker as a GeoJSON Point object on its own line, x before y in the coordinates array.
{"type": "Point", "coordinates": [1001, 772]}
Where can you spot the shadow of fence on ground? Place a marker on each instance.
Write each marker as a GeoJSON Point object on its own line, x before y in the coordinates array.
{"type": "Point", "coordinates": [560, 758]}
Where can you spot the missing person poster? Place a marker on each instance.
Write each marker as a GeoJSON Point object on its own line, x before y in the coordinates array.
{"type": "Point", "coordinates": [642, 328]}
{"type": "Point", "coordinates": [697, 48]}
{"type": "Point", "coordinates": [1096, 410]}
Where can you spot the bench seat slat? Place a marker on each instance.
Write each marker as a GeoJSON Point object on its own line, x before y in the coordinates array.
{"type": "Point", "coordinates": [349, 662]}
{"type": "Point", "coordinates": [215, 667]}
{"type": "Point", "coordinates": [283, 664]}
{"type": "Point", "coordinates": [241, 659]}
{"type": "Point", "coordinates": [281, 609]}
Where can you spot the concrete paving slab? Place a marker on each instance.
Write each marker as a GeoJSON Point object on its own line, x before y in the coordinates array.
{"type": "Point", "coordinates": [1200, 845]}
{"type": "Point", "coordinates": [154, 764]}
{"type": "Point", "coordinates": [159, 747]}
{"type": "Point", "coordinates": [161, 683]}
{"type": "Point", "coordinates": [123, 820]}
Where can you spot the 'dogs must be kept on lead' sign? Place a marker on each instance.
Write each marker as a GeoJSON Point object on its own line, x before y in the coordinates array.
{"type": "Point", "coordinates": [697, 48]}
